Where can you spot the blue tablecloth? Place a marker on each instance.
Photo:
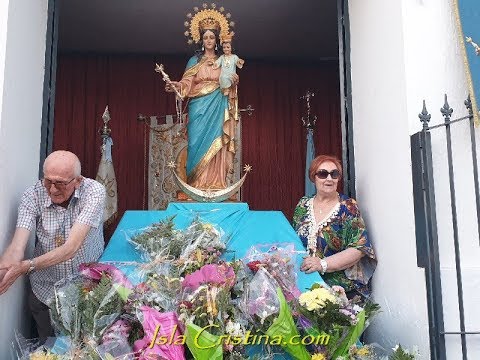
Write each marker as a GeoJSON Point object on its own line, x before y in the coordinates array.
{"type": "Point", "coordinates": [242, 226]}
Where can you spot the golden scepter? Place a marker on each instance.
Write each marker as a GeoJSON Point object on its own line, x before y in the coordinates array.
{"type": "Point", "coordinates": [166, 78]}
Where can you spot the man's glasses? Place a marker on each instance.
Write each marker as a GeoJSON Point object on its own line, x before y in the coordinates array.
{"type": "Point", "coordinates": [323, 174]}
{"type": "Point", "coordinates": [60, 185]}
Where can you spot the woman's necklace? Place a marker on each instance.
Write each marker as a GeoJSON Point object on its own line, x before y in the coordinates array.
{"type": "Point", "coordinates": [314, 226]}
{"type": "Point", "coordinates": [327, 205]}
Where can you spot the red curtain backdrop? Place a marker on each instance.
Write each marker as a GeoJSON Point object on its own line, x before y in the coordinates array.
{"type": "Point", "coordinates": [273, 138]}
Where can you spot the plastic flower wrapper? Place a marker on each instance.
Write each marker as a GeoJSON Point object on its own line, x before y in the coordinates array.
{"type": "Point", "coordinates": [264, 303]}
{"type": "Point", "coordinates": [83, 308]}
{"type": "Point", "coordinates": [158, 240]}
{"type": "Point", "coordinates": [160, 289]}
{"type": "Point", "coordinates": [326, 312]}
{"type": "Point", "coordinates": [362, 352]}
{"type": "Point", "coordinates": [205, 237]}
{"type": "Point", "coordinates": [202, 344]}
{"type": "Point", "coordinates": [163, 336]}
{"type": "Point", "coordinates": [114, 342]}
{"type": "Point", "coordinates": [23, 348]}
{"type": "Point", "coordinates": [260, 302]}
{"type": "Point", "coordinates": [206, 296]}
{"type": "Point", "coordinates": [284, 329]}
{"type": "Point", "coordinates": [205, 308]}
{"type": "Point", "coordinates": [279, 261]}
{"type": "Point", "coordinates": [95, 271]}
{"type": "Point", "coordinates": [220, 275]}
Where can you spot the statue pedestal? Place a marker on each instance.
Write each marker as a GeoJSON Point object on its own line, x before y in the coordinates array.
{"type": "Point", "coordinates": [182, 197]}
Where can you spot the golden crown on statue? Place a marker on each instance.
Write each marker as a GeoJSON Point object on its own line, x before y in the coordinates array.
{"type": "Point", "coordinates": [209, 24]}
{"type": "Point", "coordinates": [227, 38]}
{"type": "Point", "coordinates": [207, 19]}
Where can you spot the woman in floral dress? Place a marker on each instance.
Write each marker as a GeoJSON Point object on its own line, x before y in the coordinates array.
{"type": "Point", "coordinates": [333, 231]}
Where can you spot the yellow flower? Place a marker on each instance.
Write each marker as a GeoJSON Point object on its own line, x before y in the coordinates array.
{"type": "Point", "coordinates": [308, 300]}
{"type": "Point", "coordinates": [318, 356]}
{"type": "Point", "coordinates": [363, 351]}
{"type": "Point", "coordinates": [315, 299]}
{"type": "Point", "coordinates": [40, 355]}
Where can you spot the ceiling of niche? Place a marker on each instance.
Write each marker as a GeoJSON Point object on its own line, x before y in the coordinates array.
{"type": "Point", "coordinates": [265, 29]}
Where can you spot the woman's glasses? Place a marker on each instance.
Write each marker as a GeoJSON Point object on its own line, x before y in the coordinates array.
{"type": "Point", "coordinates": [323, 174]}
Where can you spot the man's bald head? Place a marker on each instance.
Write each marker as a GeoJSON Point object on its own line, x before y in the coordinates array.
{"type": "Point", "coordinates": [64, 162]}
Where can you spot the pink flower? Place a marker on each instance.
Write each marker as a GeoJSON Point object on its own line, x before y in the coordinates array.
{"type": "Point", "coordinates": [213, 274]}
{"type": "Point", "coordinates": [95, 271]}
{"type": "Point", "coordinates": [157, 325]}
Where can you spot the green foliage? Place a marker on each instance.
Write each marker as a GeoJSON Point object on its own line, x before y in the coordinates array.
{"type": "Point", "coordinates": [160, 238]}
{"type": "Point", "coordinates": [401, 354]}
{"type": "Point", "coordinates": [371, 309]}
{"type": "Point", "coordinates": [327, 318]}
{"type": "Point", "coordinates": [102, 301]}
{"type": "Point", "coordinates": [136, 333]}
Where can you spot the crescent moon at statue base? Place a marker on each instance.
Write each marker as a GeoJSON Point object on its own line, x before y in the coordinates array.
{"type": "Point", "coordinates": [208, 195]}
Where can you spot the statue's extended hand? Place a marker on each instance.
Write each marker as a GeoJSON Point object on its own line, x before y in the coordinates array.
{"type": "Point", "coordinates": [169, 86]}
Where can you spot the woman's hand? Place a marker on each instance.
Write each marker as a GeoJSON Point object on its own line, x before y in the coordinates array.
{"type": "Point", "coordinates": [169, 87]}
{"type": "Point", "coordinates": [311, 264]}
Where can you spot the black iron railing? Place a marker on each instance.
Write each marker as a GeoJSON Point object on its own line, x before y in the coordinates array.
{"type": "Point", "coordinates": [426, 222]}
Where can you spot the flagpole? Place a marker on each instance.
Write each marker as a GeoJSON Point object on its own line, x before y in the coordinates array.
{"type": "Point", "coordinates": [308, 122]}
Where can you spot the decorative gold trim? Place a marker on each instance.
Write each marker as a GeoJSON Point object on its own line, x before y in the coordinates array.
{"type": "Point", "coordinates": [214, 149]}
{"type": "Point", "coordinates": [208, 88]}
{"type": "Point", "coordinates": [471, 89]}
{"type": "Point", "coordinates": [193, 70]}
{"type": "Point", "coordinates": [208, 195]}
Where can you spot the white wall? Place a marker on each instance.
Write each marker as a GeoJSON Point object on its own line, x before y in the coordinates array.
{"type": "Point", "coordinates": [404, 52]}
{"type": "Point", "coordinates": [383, 169]}
{"type": "Point", "coordinates": [441, 71]}
{"type": "Point", "coordinates": [23, 25]}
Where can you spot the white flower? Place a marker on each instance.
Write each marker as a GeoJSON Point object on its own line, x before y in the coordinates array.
{"type": "Point", "coordinates": [357, 308]}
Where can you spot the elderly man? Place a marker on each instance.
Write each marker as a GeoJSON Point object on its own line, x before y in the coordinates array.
{"type": "Point", "coordinates": [67, 210]}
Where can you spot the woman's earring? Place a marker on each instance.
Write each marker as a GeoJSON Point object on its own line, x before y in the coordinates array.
{"type": "Point", "coordinates": [203, 48]}
{"type": "Point", "coordinates": [216, 47]}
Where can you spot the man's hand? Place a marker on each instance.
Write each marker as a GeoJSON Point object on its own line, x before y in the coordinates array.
{"type": "Point", "coordinates": [12, 273]}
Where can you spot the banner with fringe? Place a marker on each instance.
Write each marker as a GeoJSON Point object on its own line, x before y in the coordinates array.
{"type": "Point", "coordinates": [467, 14]}
{"type": "Point", "coordinates": [106, 176]}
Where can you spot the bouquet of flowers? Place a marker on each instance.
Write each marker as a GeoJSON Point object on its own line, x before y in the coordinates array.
{"type": "Point", "coordinates": [265, 304]}
{"type": "Point", "coordinates": [205, 308]}
{"type": "Point", "coordinates": [279, 261]}
{"type": "Point", "coordinates": [163, 337]}
{"type": "Point", "coordinates": [159, 240]}
{"type": "Point", "coordinates": [86, 304]}
{"type": "Point", "coordinates": [205, 245]}
{"type": "Point", "coordinates": [325, 313]}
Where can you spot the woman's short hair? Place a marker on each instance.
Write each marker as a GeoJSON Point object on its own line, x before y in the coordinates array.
{"type": "Point", "coordinates": [319, 160]}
